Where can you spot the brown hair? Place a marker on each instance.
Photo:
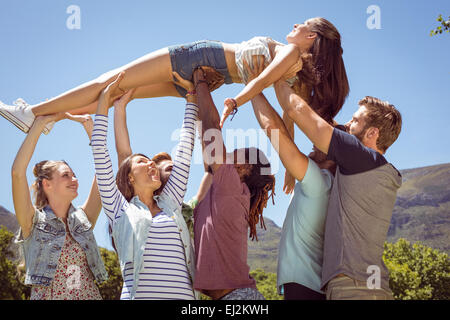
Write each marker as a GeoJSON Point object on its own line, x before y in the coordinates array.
{"type": "Point", "coordinates": [122, 180]}
{"type": "Point", "coordinates": [43, 170]}
{"type": "Point", "coordinates": [324, 70]}
{"type": "Point", "coordinates": [161, 157]}
{"type": "Point", "coordinates": [259, 183]}
{"type": "Point", "coordinates": [384, 116]}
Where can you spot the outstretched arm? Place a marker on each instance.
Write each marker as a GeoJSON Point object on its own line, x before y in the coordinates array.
{"type": "Point", "coordinates": [214, 152]}
{"type": "Point", "coordinates": [288, 56]}
{"type": "Point", "coordinates": [93, 205]}
{"type": "Point", "coordinates": [293, 160]}
{"type": "Point", "coordinates": [314, 127]}
{"type": "Point", "coordinates": [23, 205]}
{"type": "Point", "coordinates": [205, 184]}
{"type": "Point", "coordinates": [113, 201]}
{"type": "Point", "coordinates": [122, 138]}
{"type": "Point", "coordinates": [289, 180]}
{"type": "Point", "coordinates": [175, 188]}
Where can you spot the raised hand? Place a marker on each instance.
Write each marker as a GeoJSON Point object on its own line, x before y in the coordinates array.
{"type": "Point", "coordinates": [43, 120]}
{"type": "Point", "coordinates": [106, 96]}
{"type": "Point", "coordinates": [84, 119]}
{"type": "Point", "coordinates": [123, 101]}
{"type": "Point", "coordinates": [185, 84]}
{"type": "Point", "coordinates": [213, 78]}
{"type": "Point", "coordinates": [230, 105]}
{"type": "Point", "coordinates": [191, 95]}
{"type": "Point", "coordinates": [289, 183]}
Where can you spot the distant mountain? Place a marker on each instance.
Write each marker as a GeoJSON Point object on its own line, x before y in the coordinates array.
{"type": "Point", "coordinates": [9, 220]}
{"type": "Point", "coordinates": [422, 210]}
{"type": "Point", "coordinates": [421, 213]}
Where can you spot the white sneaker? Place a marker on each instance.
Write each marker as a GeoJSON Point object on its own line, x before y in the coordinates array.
{"type": "Point", "coordinates": [21, 116]}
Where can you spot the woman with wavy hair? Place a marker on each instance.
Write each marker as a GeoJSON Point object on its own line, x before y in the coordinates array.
{"type": "Point", "coordinates": [143, 205]}
{"type": "Point", "coordinates": [312, 57]}
{"type": "Point", "coordinates": [62, 259]}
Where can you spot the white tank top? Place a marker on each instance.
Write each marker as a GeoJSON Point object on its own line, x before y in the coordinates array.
{"type": "Point", "coordinates": [255, 46]}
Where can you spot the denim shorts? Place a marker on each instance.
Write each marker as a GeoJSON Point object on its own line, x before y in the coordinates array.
{"type": "Point", "coordinates": [185, 58]}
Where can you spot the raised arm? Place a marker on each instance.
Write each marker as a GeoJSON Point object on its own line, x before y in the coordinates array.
{"type": "Point", "coordinates": [293, 160]}
{"type": "Point", "coordinates": [205, 184]}
{"type": "Point", "coordinates": [113, 201]}
{"type": "Point", "coordinates": [176, 185]}
{"type": "Point", "coordinates": [289, 180]}
{"type": "Point", "coordinates": [214, 151]}
{"type": "Point", "coordinates": [122, 138]}
{"type": "Point", "coordinates": [288, 56]}
{"type": "Point", "coordinates": [23, 205]}
{"type": "Point", "coordinates": [314, 127]}
{"type": "Point", "coordinates": [93, 205]}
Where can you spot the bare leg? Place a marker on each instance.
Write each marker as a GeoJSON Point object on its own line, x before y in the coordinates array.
{"type": "Point", "coordinates": [152, 68]}
{"type": "Point", "coordinates": [165, 89]}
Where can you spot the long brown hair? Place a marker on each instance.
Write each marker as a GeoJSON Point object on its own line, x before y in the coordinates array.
{"type": "Point", "coordinates": [124, 185]}
{"type": "Point", "coordinates": [122, 178]}
{"type": "Point", "coordinates": [260, 183]}
{"type": "Point", "coordinates": [324, 71]}
{"type": "Point", "coordinates": [43, 170]}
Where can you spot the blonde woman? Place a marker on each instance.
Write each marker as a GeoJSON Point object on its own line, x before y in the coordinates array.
{"type": "Point", "coordinates": [61, 255]}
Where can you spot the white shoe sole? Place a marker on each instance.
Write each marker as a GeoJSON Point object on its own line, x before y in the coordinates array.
{"type": "Point", "coordinates": [15, 121]}
{"type": "Point", "coordinates": [20, 124]}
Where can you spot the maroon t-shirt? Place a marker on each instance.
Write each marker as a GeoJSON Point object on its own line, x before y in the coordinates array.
{"type": "Point", "coordinates": [221, 233]}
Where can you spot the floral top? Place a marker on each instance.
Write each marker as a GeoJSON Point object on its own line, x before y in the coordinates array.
{"type": "Point", "coordinates": [73, 279]}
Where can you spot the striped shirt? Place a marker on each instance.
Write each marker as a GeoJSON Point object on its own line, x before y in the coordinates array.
{"type": "Point", "coordinates": [157, 276]}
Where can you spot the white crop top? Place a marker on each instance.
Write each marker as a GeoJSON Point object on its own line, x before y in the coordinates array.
{"type": "Point", "coordinates": [255, 46]}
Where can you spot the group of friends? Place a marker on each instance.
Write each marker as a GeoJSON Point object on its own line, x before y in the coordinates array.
{"type": "Point", "coordinates": [343, 192]}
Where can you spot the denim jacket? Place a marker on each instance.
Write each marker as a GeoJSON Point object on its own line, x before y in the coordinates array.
{"type": "Point", "coordinates": [43, 246]}
{"type": "Point", "coordinates": [130, 233]}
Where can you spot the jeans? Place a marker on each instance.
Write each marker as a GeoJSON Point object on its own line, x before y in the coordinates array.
{"type": "Point", "coordinates": [187, 57]}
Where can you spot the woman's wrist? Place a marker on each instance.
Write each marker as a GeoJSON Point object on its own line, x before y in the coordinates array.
{"type": "Point", "coordinates": [191, 96]}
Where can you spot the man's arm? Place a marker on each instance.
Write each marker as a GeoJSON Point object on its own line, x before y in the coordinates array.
{"type": "Point", "coordinates": [314, 127]}
{"type": "Point", "coordinates": [214, 152]}
{"type": "Point", "coordinates": [289, 180]}
{"type": "Point", "coordinates": [293, 160]}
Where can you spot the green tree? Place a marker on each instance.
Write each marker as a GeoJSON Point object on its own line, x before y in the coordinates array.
{"type": "Point", "coordinates": [266, 284]}
{"type": "Point", "coordinates": [417, 272]}
{"type": "Point", "coordinates": [10, 284]}
{"type": "Point", "coordinates": [445, 26]}
{"type": "Point", "coordinates": [111, 289]}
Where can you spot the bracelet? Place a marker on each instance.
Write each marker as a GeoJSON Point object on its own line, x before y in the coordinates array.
{"type": "Point", "coordinates": [191, 93]}
{"type": "Point", "coordinates": [235, 109]}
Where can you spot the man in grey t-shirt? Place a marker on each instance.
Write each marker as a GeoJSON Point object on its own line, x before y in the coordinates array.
{"type": "Point", "coordinates": [362, 196]}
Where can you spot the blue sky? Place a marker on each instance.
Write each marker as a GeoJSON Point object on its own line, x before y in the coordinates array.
{"type": "Point", "coordinates": [41, 58]}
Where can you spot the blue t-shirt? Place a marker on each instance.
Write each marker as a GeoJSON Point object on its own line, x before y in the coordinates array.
{"type": "Point", "coordinates": [301, 244]}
